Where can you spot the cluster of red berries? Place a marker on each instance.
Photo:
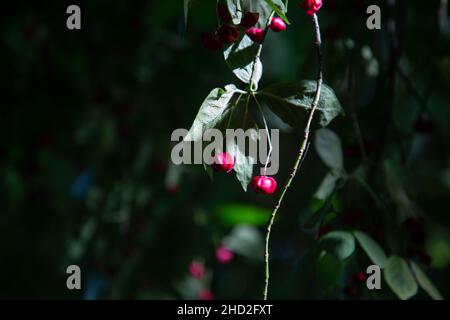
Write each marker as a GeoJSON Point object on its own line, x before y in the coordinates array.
{"type": "Point", "coordinates": [228, 32]}
{"type": "Point", "coordinates": [224, 162]}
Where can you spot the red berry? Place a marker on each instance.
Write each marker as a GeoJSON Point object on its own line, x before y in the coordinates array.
{"type": "Point", "coordinates": [249, 19]}
{"type": "Point", "coordinates": [223, 162]}
{"type": "Point", "coordinates": [277, 25]}
{"type": "Point", "coordinates": [223, 13]}
{"type": "Point", "coordinates": [211, 41]}
{"type": "Point", "coordinates": [311, 6]}
{"type": "Point", "coordinates": [227, 34]}
{"type": "Point", "coordinates": [264, 184]}
{"type": "Point", "coordinates": [256, 34]}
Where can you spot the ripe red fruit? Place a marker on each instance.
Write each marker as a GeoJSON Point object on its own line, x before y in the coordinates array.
{"type": "Point", "coordinates": [223, 162]}
{"type": "Point", "coordinates": [211, 41]}
{"type": "Point", "coordinates": [227, 34]}
{"type": "Point", "coordinates": [311, 6]}
{"type": "Point", "coordinates": [223, 13]}
{"type": "Point", "coordinates": [256, 34]}
{"type": "Point", "coordinates": [249, 19]}
{"type": "Point", "coordinates": [277, 25]}
{"type": "Point", "coordinates": [264, 184]}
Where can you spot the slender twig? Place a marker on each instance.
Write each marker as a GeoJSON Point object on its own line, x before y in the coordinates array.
{"type": "Point", "coordinates": [353, 113]}
{"type": "Point", "coordinates": [267, 131]}
{"type": "Point", "coordinates": [300, 153]}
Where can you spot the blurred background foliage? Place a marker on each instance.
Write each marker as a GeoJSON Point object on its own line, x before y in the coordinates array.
{"type": "Point", "coordinates": [85, 148]}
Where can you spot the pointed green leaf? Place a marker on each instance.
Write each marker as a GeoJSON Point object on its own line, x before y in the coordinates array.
{"type": "Point", "coordinates": [327, 186]}
{"type": "Point", "coordinates": [372, 249]}
{"type": "Point", "coordinates": [212, 111]}
{"type": "Point", "coordinates": [240, 57]}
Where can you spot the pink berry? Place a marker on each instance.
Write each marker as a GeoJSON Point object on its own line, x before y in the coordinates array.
{"type": "Point", "coordinates": [256, 34]}
{"type": "Point", "coordinates": [264, 184]}
{"type": "Point", "coordinates": [197, 269]}
{"type": "Point", "coordinates": [277, 25]}
{"type": "Point", "coordinates": [223, 162]}
{"type": "Point", "coordinates": [311, 6]}
{"type": "Point", "coordinates": [224, 255]}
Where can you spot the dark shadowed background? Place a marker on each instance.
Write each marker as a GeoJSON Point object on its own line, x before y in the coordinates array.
{"type": "Point", "coordinates": [85, 170]}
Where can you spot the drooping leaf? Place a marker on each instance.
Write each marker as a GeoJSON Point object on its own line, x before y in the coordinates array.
{"type": "Point", "coordinates": [240, 57]}
{"type": "Point", "coordinates": [339, 243]}
{"type": "Point", "coordinates": [279, 8]}
{"type": "Point", "coordinates": [329, 148]}
{"type": "Point", "coordinates": [425, 283]}
{"type": "Point", "coordinates": [372, 249]}
{"type": "Point", "coordinates": [327, 186]}
{"type": "Point", "coordinates": [212, 111]}
{"type": "Point", "coordinates": [292, 103]}
{"type": "Point", "coordinates": [245, 162]}
{"type": "Point", "coordinates": [399, 277]}
{"type": "Point", "coordinates": [234, 214]}
{"type": "Point", "coordinates": [245, 134]}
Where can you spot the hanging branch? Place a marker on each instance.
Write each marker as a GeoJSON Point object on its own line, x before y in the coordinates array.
{"type": "Point", "coordinates": [301, 152]}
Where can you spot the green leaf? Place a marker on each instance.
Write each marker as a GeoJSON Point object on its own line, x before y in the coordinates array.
{"type": "Point", "coordinates": [279, 8]}
{"type": "Point", "coordinates": [245, 240]}
{"type": "Point", "coordinates": [399, 278]}
{"type": "Point", "coordinates": [372, 249]}
{"type": "Point", "coordinates": [240, 57]}
{"type": "Point", "coordinates": [292, 103]}
{"type": "Point", "coordinates": [212, 111]}
{"type": "Point", "coordinates": [425, 283]}
{"type": "Point", "coordinates": [234, 214]}
{"type": "Point", "coordinates": [329, 148]}
{"type": "Point", "coordinates": [234, 6]}
{"type": "Point", "coordinates": [327, 186]}
{"type": "Point", "coordinates": [339, 243]}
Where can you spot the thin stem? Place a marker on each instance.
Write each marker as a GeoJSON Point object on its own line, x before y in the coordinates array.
{"type": "Point", "coordinates": [301, 152]}
{"type": "Point", "coordinates": [267, 130]}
